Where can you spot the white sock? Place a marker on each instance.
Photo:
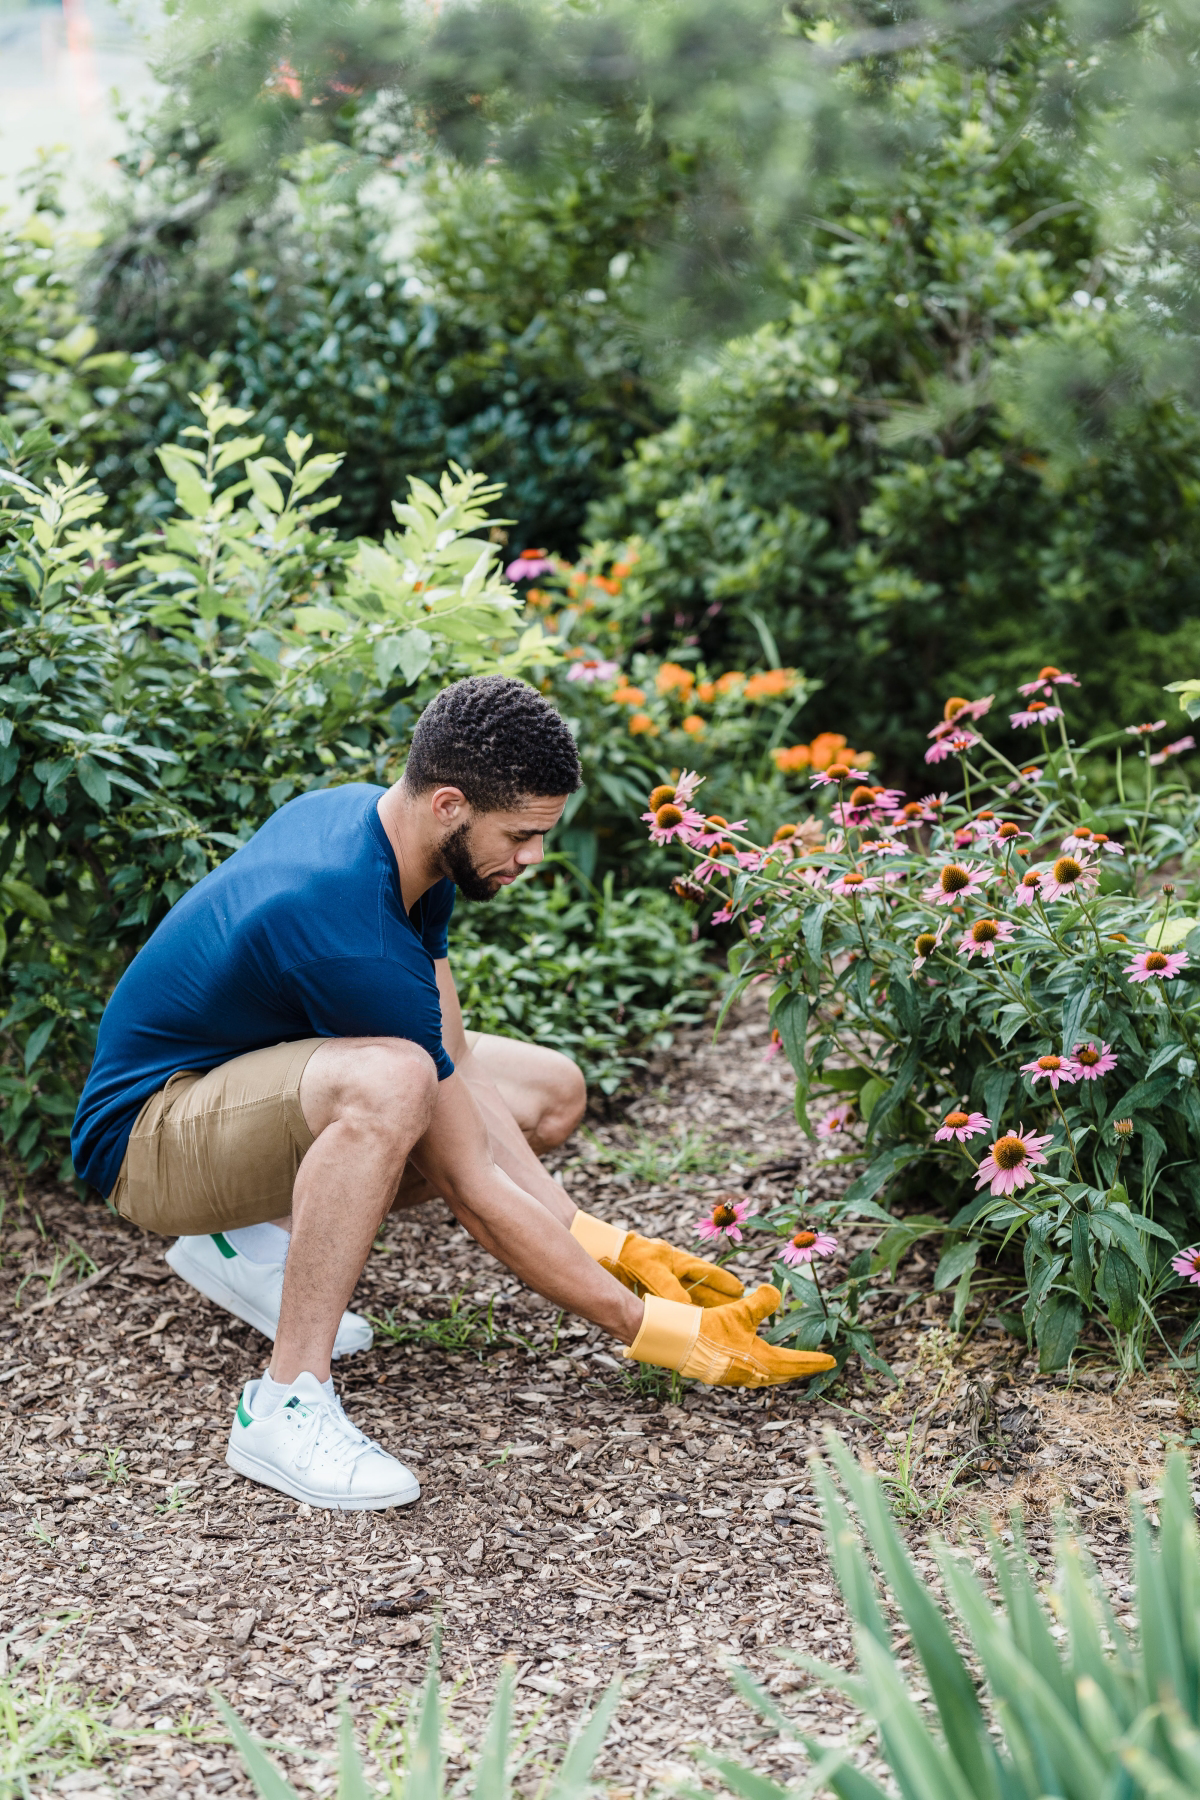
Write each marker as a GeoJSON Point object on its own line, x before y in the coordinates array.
{"type": "Point", "coordinates": [271, 1394]}
{"type": "Point", "coordinates": [260, 1243]}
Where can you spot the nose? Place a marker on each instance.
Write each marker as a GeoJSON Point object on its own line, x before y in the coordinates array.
{"type": "Point", "coordinates": [531, 852]}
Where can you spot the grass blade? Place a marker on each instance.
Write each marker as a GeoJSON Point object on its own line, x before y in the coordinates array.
{"type": "Point", "coordinates": [261, 1770]}
{"type": "Point", "coordinates": [491, 1773]}
{"type": "Point", "coordinates": [572, 1780]}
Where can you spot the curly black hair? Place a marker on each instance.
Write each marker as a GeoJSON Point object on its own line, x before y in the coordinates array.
{"type": "Point", "coordinates": [497, 740]}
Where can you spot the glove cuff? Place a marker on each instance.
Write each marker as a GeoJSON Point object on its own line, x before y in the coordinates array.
{"type": "Point", "coordinates": [668, 1334]}
{"type": "Point", "coordinates": [603, 1242]}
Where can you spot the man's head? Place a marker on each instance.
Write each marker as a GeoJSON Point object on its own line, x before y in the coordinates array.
{"type": "Point", "coordinates": [494, 763]}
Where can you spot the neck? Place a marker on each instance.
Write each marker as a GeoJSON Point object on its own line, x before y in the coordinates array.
{"type": "Point", "coordinates": [412, 844]}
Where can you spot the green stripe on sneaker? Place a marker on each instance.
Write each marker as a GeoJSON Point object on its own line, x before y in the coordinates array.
{"type": "Point", "coordinates": [223, 1244]}
{"type": "Point", "coordinates": [243, 1416]}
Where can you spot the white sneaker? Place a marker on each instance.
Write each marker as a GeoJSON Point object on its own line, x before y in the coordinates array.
{"type": "Point", "coordinates": [252, 1291]}
{"type": "Point", "coordinates": [309, 1449]}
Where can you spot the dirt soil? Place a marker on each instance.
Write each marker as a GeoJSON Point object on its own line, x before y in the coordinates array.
{"type": "Point", "coordinates": [570, 1519]}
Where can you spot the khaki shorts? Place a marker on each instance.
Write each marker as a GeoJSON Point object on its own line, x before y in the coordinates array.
{"type": "Point", "coordinates": [217, 1151]}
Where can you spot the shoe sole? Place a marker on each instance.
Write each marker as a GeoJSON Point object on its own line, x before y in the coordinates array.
{"type": "Point", "coordinates": [266, 1476]}
{"type": "Point", "coordinates": [224, 1297]}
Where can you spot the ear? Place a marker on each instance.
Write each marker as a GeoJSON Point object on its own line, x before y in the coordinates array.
{"type": "Point", "coordinates": [448, 806]}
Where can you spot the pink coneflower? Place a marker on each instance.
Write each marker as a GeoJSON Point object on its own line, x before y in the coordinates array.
{"type": "Point", "coordinates": [529, 565]}
{"type": "Point", "coordinates": [686, 786]}
{"type": "Point", "coordinates": [805, 1245]}
{"type": "Point", "coordinates": [1051, 1068]}
{"type": "Point", "coordinates": [1106, 845]}
{"type": "Point", "coordinates": [1078, 841]}
{"type": "Point", "coordinates": [1047, 680]}
{"type": "Point", "coordinates": [912, 814]}
{"type": "Point", "coordinates": [715, 830]}
{"type": "Point", "coordinates": [1038, 712]}
{"type": "Point", "coordinates": [751, 859]}
{"type": "Point", "coordinates": [1187, 1264]}
{"type": "Point", "coordinates": [1093, 1063]}
{"type": "Point", "coordinates": [1146, 730]}
{"type": "Point", "coordinates": [981, 937]}
{"type": "Point", "coordinates": [836, 1119]}
{"type": "Point", "coordinates": [672, 821]}
{"type": "Point", "coordinates": [1026, 777]}
{"type": "Point", "coordinates": [593, 669]}
{"type": "Point", "coordinates": [883, 847]}
{"type": "Point", "coordinates": [925, 945]}
{"type": "Point", "coordinates": [959, 713]}
{"type": "Point", "coordinates": [727, 1218]}
{"type": "Point", "coordinates": [1157, 965]}
{"type": "Point", "coordinates": [774, 1047]}
{"type": "Point", "coordinates": [1029, 888]}
{"type": "Point", "coordinates": [1069, 877]}
{"type": "Point", "coordinates": [957, 881]}
{"type": "Point", "coordinates": [1175, 749]}
{"type": "Point", "coordinates": [953, 745]}
{"type": "Point", "coordinates": [1010, 1162]}
{"type": "Point", "coordinates": [1007, 833]}
{"type": "Point", "coordinates": [854, 882]}
{"type": "Point", "coordinates": [835, 774]}
{"type": "Point", "coordinates": [962, 1126]}
{"type": "Point", "coordinates": [723, 917]}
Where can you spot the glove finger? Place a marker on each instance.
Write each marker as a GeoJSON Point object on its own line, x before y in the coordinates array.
{"type": "Point", "coordinates": [761, 1304]}
{"type": "Point", "coordinates": [793, 1365]}
{"type": "Point", "coordinates": [706, 1295]}
{"type": "Point", "coordinates": [696, 1272]}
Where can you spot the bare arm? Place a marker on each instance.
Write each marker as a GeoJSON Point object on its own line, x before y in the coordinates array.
{"type": "Point", "coordinates": [510, 1223]}
{"type": "Point", "coordinates": [508, 1144]}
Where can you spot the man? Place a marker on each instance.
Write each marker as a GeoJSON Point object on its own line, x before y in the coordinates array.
{"type": "Point", "coordinates": [285, 1060]}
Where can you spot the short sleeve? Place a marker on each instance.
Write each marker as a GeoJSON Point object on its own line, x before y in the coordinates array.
{"type": "Point", "coordinates": [368, 996]}
{"type": "Point", "coordinates": [436, 908]}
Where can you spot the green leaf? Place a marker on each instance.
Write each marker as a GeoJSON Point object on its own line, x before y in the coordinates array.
{"type": "Point", "coordinates": [491, 1771]}
{"type": "Point", "coordinates": [814, 927]}
{"type": "Point", "coordinates": [575, 1775]}
{"type": "Point", "coordinates": [37, 1040]}
{"type": "Point", "coordinates": [898, 1089]}
{"type": "Point", "coordinates": [880, 1172]}
{"type": "Point", "coordinates": [1057, 1331]}
{"type": "Point", "coordinates": [1166, 932]}
{"type": "Point", "coordinates": [955, 1262]}
{"type": "Point", "coordinates": [190, 490]}
{"type": "Point", "coordinates": [261, 1770]}
{"type": "Point", "coordinates": [93, 780]}
{"type": "Point", "coordinates": [411, 653]}
{"type": "Point", "coordinates": [264, 484]}
{"type": "Point", "coordinates": [1121, 1286]}
{"type": "Point", "coordinates": [19, 894]}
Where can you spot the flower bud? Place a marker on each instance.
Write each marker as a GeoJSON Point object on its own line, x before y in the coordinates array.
{"type": "Point", "coordinates": [1123, 1127]}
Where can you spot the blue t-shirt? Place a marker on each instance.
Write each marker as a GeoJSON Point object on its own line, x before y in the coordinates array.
{"type": "Point", "coordinates": [302, 933]}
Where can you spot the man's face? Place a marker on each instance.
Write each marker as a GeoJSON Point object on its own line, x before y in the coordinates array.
{"type": "Point", "coordinates": [484, 852]}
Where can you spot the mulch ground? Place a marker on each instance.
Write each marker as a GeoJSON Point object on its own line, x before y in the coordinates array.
{"type": "Point", "coordinates": [572, 1519]}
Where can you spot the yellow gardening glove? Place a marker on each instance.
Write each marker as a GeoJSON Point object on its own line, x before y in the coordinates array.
{"type": "Point", "coordinates": [652, 1266]}
{"type": "Point", "coordinates": [720, 1346]}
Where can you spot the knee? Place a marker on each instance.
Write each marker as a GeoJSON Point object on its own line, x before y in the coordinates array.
{"type": "Point", "coordinates": [563, 1101]}
{"type": "Point", "coordinates": [395, 1084]}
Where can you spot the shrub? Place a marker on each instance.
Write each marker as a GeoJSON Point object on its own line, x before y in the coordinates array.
{"type": "Point", "coordinates": [161, 698]}
{"type": "Point", "coordinates": [1081, 1706]}
{"type": "Point", "coordinates": [1013, 968]}
{"type": "Point", "coordinates": [938, 455]}
{"type": "Point", "coordinates": [602, 974]}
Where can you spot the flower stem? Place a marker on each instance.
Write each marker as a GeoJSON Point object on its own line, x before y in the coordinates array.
{"type": "Point", "coordinates": [1070, 1140]}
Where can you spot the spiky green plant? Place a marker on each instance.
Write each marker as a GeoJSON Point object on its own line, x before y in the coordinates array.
{"type": "Point", "coordinates": [1104, 1715]}
{"type": "Point", "coordinates": [422, 1774]}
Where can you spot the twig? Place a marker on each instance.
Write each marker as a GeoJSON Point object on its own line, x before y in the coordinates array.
{"type": "Point", "coordinates": [80, 1287]}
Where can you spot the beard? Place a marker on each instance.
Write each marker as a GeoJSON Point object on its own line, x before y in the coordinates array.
{"type": "Point", "coordinates": [454, 854]}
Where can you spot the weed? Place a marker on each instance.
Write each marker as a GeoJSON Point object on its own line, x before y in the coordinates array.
{"type": "Point", "coordinates": [685, 1151]}
{"type": "Point", "coordinates": [48, 1730]}
{"type": "Point", "coordinates": [177, 1498]}
{"type": "Point", "coordinates": [36, 1530]}
{"type": "Point", "coordinates": [115, 1470]}
{"type": "Point", "coordinates": [643, 1381]}
{"type": "Point", "coordinates": [463, 1328]}
{"type": "Point", "coordinates": [906, 1498]}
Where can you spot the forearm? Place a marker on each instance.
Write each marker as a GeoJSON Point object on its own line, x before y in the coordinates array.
{"type": "Point", "coordinates": [513, 1225]}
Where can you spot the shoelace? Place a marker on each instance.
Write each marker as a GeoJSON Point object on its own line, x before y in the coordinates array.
{"type": "Point", "coordinates": [333, 1418]}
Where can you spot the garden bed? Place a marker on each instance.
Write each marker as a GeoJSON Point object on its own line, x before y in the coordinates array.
{"type": "Point", "coordinates": [570, 1518]}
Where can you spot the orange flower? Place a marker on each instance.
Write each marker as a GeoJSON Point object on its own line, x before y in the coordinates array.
{"type": "Point", "coordinates": [694, 725]}
{"type": "Point", "coordinates": [627, 695]}
{"type": "Point", "coordinates": [827, 748]}
{"type": "Point", "coordinates": [770, 683]}
{"type": "Point", "coordinates": [799, 756]}
{"type": "Point", "coordinates": [672, 676]}
{"type": "Point", "coordinates": [642, 725]}
{"type": "Point", "coordinates": [727, 682]}
{"type": "Point", "coordinates": [706, 691]}
{"type": "Point", "coordinates": [609, 587]}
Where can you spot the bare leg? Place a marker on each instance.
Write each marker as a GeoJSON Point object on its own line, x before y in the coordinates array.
{"type": "Point", "coordinates": [542, 1091]}
{"type": "Point", "coordinates": [367, 1101]}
